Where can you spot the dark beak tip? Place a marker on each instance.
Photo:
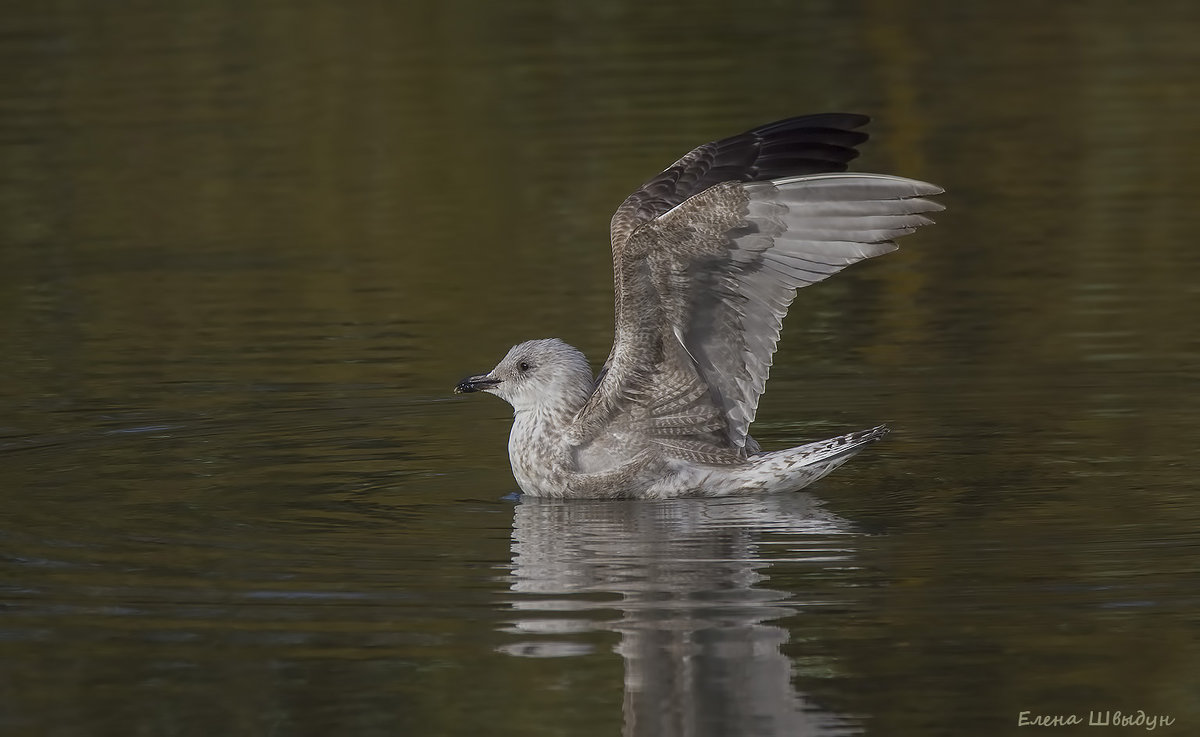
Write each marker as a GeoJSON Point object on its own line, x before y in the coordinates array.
{"type": "Point", "coordinates": [474, 384]}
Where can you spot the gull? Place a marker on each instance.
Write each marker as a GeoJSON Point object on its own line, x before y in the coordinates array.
{"type": "Point", "coordinates": [707, 258]}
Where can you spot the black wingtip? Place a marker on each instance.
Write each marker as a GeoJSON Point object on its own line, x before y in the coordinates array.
{"type": "Point", "coordinates": [836, 121]}
{"type": "Point", "coordinates": [805, 144]}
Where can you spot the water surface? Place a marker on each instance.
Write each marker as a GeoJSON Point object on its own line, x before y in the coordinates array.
{"type": "Point", "coordinates": [246, 249]}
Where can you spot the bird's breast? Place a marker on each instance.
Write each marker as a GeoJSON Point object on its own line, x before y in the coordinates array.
{"type": "Point", "coordinates": [538, 453]}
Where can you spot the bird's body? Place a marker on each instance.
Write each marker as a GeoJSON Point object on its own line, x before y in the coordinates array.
{"type": "Point", "coordinates": [707, 257]}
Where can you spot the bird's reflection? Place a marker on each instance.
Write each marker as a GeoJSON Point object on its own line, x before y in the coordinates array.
{"type": "Point", "coordinates": [679, 581]}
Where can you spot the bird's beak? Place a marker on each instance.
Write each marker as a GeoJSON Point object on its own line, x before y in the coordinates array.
{"type": "Point", "coordinates": [475, 384]}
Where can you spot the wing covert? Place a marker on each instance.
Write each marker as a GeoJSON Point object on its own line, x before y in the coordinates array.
{"type": "Point", "coordinates": [704, 287]}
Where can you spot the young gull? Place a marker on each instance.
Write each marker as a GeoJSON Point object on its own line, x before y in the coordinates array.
{"type": "Point", "coordinates": [707, 257]}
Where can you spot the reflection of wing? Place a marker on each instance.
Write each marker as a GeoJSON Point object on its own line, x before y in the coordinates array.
{"type": "Point", "coordinates": [702, 290]}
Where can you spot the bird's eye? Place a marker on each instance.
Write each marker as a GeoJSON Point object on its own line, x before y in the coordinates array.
{"type": "Point", "coordinates": [524, 366]}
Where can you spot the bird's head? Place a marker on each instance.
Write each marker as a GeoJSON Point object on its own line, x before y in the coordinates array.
{"type": "Point", "coordinates": [537, 373]}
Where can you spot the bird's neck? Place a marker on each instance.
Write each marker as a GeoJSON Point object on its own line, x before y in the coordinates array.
{"type": "Point", "coordinates": [549, 417]}
{"type": "Point", "coordinates": [555, 408]}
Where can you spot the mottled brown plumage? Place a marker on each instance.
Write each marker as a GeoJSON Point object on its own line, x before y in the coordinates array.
{"type": "Point", "coordinates": [707, 257]}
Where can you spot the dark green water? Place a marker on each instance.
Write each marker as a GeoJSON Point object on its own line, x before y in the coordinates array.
{"type": "Point", "coordinates": [246, 249]}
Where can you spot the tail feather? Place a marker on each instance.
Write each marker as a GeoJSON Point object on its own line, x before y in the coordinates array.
{"type": "Point", "coordinates": [843, 446]}
{"type": "Point", "coordinates": [796, 468]}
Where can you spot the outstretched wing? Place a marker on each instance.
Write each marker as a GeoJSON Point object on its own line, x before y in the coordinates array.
{"type": "Point", "coordinates": [808, 144]}
{"type": "Point", "coordinates": [702, 289]}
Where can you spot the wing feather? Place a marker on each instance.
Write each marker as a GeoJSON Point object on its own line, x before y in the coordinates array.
{"type": "Point", "coordinates": [707, 259]}
{"type": "Point", "coordinates": [807, 144]}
